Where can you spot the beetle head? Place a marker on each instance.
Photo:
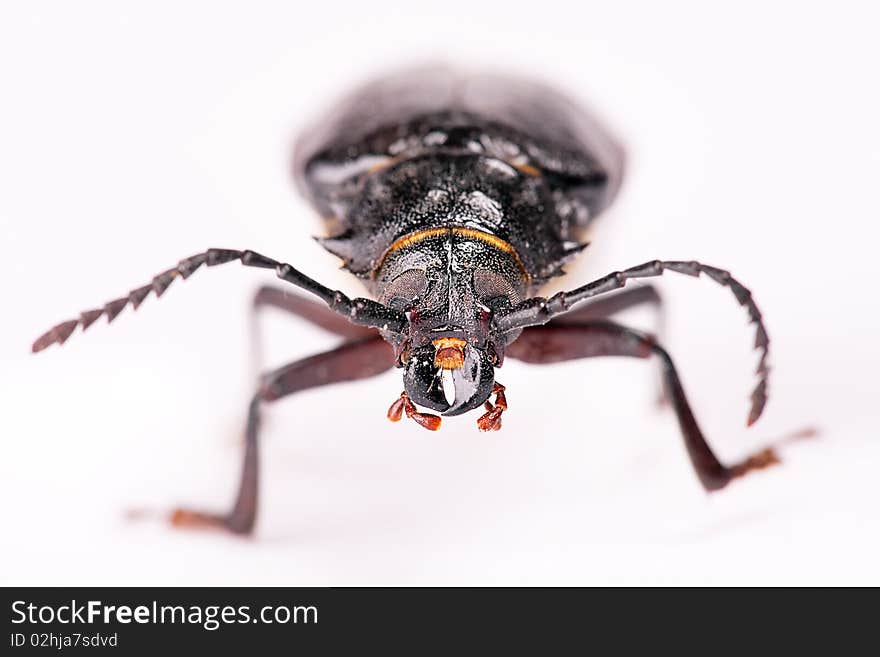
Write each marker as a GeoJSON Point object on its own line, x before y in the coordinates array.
{"type": "Point", "coordinates": [449, 284]}
{"type": "Point", "coordinates": [449, 376]}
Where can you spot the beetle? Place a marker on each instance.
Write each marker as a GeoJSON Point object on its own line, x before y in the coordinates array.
{"type": "Point", "coordinates": [454, 198]}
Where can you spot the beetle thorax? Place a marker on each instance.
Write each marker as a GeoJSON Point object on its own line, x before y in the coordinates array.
{"type": "Point", "coordinates": [449, 280]}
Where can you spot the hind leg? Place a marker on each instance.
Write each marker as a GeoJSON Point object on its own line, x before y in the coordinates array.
{"type": "Point", "coordinates": [551, 344]}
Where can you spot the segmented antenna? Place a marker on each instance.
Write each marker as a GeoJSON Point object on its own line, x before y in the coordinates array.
{"type": "Point", "coordinates": [60, 333]}
{"type": "Point", "coordinates": [540, 310]}
{"type": "Point", "coordinates": [365, 312]}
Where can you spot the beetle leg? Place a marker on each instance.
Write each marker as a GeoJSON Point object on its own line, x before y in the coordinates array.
{"type": "Point", "coordinates": [349, 362]}
{"type": "Point", "coordinates": [604, 307]}
{"type": "Point", "coordinates": [551, 344]}
{"type": "Point", "coordinates": [311, 311]}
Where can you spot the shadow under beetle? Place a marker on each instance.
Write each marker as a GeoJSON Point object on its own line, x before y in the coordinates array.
{"type": "Point", "coordinates": [454, 199]}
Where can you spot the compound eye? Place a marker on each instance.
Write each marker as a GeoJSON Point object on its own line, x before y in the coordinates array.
{"type": "Point", "coordinates": [494, 290]}
{"type": "Point", "coordinates": [403, 292]}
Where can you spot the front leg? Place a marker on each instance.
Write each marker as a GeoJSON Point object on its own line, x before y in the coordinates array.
{"type": "Point", "coordinates": [315, 313]}
{"type": "Point", "coordinates": [616, 302]}
{"type": "Point", "coordinates": [552, 344]}
{"type": "Point", "coordinates": [307, 310]}
{"type": "Point", "coordinates": [350, 362]}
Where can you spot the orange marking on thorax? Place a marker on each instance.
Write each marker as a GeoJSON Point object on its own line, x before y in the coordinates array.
{"type": "Point", "coordinates": [383, 164]}
{"type": "Point", "coordinates": [472, 233]}
{"type": "Point", "coordinates": [527, 169]}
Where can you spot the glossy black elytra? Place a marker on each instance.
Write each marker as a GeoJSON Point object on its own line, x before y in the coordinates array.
{"type": "Point", "coordinates": [454, 199]}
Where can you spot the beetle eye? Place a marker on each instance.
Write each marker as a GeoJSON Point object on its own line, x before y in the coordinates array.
{"type": "Point", "coordinates": [402, 292]}
{"type": "Point", "coordinates": [493, 289]}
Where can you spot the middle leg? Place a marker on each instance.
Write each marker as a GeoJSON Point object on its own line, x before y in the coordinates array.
{"type": "Point", "coordinates": [608, 306]}
{"type": "Point", "coordinates": [314, 313]}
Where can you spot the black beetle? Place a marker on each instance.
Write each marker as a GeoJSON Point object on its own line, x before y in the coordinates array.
{"type": "Point", "coordinates": [454, 198]}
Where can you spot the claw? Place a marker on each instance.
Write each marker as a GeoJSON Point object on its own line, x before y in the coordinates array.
{"type": "Point", "coordinates": [763, 459]}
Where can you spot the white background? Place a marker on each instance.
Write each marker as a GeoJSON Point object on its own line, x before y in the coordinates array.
{"type": "Point", "coordinates": [131, 136]}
